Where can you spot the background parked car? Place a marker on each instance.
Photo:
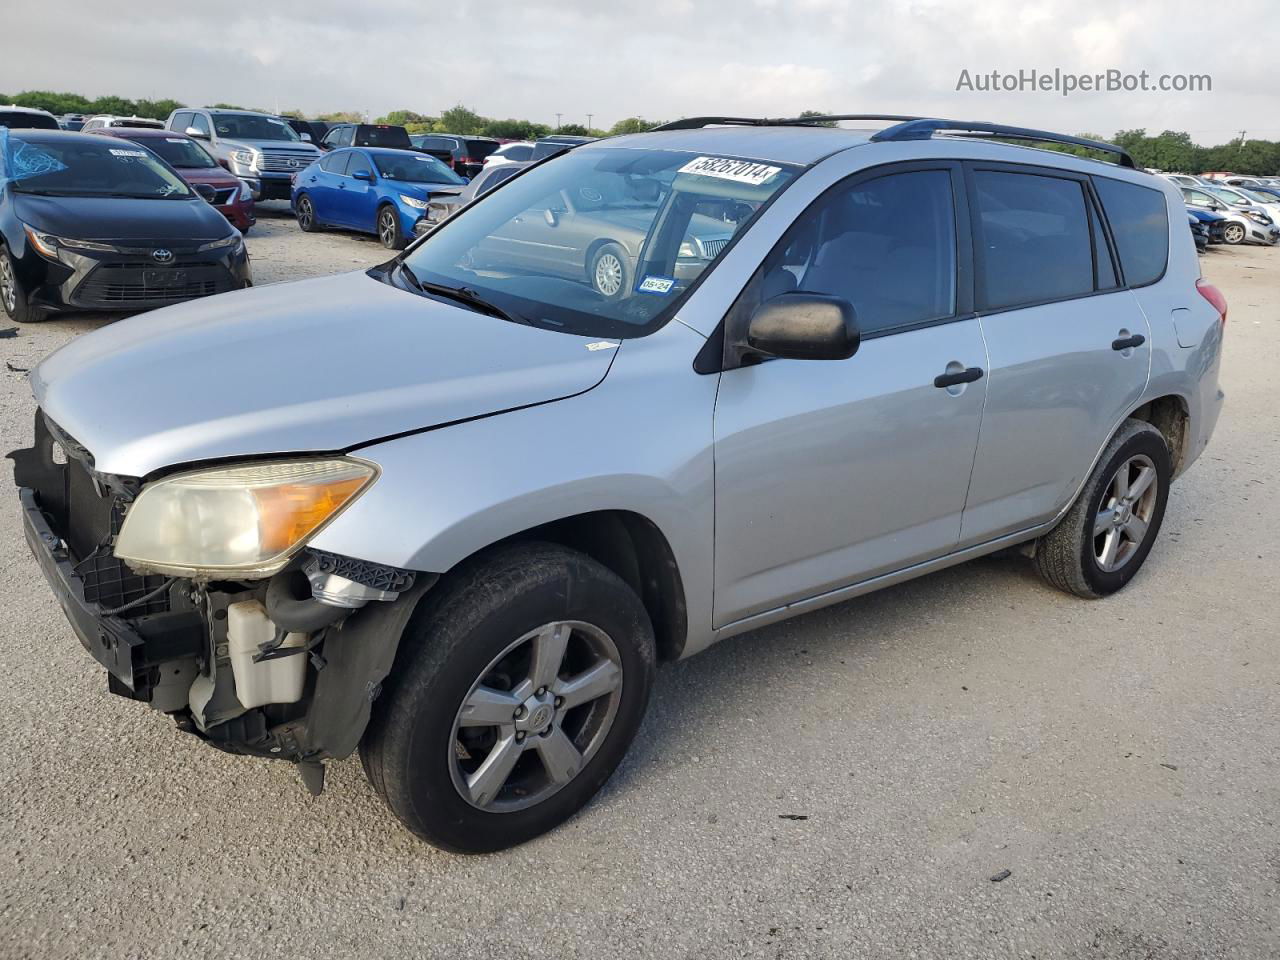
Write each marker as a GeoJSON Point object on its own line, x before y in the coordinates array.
{"type": "Point", "coordinates": [1239, 228]}
{"type": "Point", "coordinates": [105, 120]}
{"type": "Point", "coordinates": [1214, 224]}
{"type": "Point", "coordinates": [370, 189]}
{"type": "Point", "coordinates": [90, 223]}
{"type": "Point", "coordinates": [72, 121]}
{"type": "Point", "coordinates": [366, 135]}
{"type": "Point", "coordinates": [556, 143]}
{"type": "Point", "coordinates": [517, 151]}
{"type": "Point", "coordinates": [27, 119]}
{"type": "Point", "coordinates": [466, 154]}
{"type": "Point", "coordinates": [231, 196]}
{"type": "Point", "coordinates": [259, 148]}
{"type": "Point", "coordinates": [1256, 207]}
{"type": "Point", "coordinates": [311, 131]}
{"type": "Point", "coordinates": [445, 204]}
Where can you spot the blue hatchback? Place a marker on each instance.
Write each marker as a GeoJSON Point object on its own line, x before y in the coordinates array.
{"type": "Point", "coordinates": [377, 191]}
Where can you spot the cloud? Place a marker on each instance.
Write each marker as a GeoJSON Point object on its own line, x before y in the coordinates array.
{"type": "Point", "coordinates": [658, 58]}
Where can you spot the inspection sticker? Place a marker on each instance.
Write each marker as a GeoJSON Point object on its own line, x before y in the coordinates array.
{"type": "Point", "coordinates": [658, 286]}
{"type": "Point", "coordinates": [128, 153]}
{"type": "Point", "coordinates": [739, 171]}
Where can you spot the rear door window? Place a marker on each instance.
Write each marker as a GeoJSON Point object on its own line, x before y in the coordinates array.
{"type": "Point", "coordinates": [887, 245]}
{"type": "Point", "coordinates": [1033, 239]}
{"type": "Point", "coordinates": [1139, 220]}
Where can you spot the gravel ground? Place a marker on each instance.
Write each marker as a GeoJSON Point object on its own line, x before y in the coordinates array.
{"type": "Point", "coordinates": [846, 784]}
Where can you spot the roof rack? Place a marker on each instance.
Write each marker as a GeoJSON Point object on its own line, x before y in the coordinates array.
{"type": "Point", "coordinates": [697, 123]}
{"type": "Point", "coordinates": [920, 129]}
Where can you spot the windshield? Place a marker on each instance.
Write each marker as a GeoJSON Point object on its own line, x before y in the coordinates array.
{"type": "Point", "coordinates": [599, 242]}
{"type": "Point", "coordinates": [252, 126]}
{"type": "Point", "coordinates": [180, 152]}
{"type": "Point", "coordinates": [74, 168]}
{"type": "Point", "coordinates": [1257, 196]}
{"type": "Point", "coordinates": [414, 168]}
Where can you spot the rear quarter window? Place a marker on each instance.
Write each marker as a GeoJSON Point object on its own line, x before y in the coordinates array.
{"type": "Point", "coordinates": [1139, 219]}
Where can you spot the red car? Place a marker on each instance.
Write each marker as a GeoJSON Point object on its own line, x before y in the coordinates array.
{"type": "Point", "coordinates": [197, 166]}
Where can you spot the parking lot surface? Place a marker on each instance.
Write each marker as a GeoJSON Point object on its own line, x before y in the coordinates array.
{"type": "Point", "coordinates": [846, 784]}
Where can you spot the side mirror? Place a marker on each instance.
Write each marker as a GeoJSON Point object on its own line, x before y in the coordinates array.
{"type": "Point", "coordinates": [804, 326]}
{"type": "Point", "coordinates": [363, 174]}
{"type": "Point", "coordinates": [197, 133]}
{"type": "Point", "coordinates": [205, 191]}
{"type": "Point", "coordinates": [549, 215]}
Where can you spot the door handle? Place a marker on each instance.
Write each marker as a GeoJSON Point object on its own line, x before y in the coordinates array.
{"type": "Point", "coordinates": [962, 376]}
{"type": "Point", "coordinates": [1128, 343]}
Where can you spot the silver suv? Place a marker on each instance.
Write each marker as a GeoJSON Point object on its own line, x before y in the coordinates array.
{"type": "Point", "coordinates": [454, 510]}
{"type": "Point", "coordinates": [261, 149]}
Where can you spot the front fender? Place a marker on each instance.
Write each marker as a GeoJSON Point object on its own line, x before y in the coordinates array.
{"type": "Point", "coordinates": [641, 441]}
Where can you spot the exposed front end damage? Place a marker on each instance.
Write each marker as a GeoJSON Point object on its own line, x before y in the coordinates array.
{"type": "Point", "coordinates": [286, 667]}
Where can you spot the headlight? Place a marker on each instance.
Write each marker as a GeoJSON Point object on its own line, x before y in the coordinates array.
{"type": "Point", "coordinates": [688, 251]}
{"type": "Point", "coordinates": [242, 521]}
{"type": "Point", "coordinates": [1257, 216]}
{"type": "Point", "coordinates": [414, 202]}
{"type": "Point", "coordinates": [246, 191]}
{"type": "Point", "coordinates": [47, 244]}
{"type": "Point", "coordinates": [243, 157]}
{"type": "Point", "coordinates": [235, 240]}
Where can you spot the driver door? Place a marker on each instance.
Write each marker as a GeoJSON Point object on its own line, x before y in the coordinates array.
{"type": "Point", "coordinates": [828, 473]}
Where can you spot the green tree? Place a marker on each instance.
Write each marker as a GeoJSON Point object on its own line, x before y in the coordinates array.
{"type": "Point", "coordinates": [512, 129]}
{"type": "Point", "coordinates": [460, 119]}
{"type": "Point", "coordinates": [226, 106]}
{"type": "Point", "coordinates": [342, 116]}
{"type": "Point", "coordinates": [158, 109]}
{"type": "Point", "coordinates": [402, 118]}
{"type": "Point", "coordinates": [632, 125]}
{"type": "Point", "coordinates": [574, 130]}
{"type": "Point", "coordinates": [818, 113]}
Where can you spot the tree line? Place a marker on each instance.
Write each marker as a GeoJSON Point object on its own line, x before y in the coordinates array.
{"type": "Point", "coordinates": [1171, 150]}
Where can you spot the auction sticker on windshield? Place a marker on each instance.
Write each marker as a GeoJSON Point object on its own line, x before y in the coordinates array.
{"type": "Point", "coordinates": [739, 171]}
{"type": "Point", "coordinates": [128, 153]}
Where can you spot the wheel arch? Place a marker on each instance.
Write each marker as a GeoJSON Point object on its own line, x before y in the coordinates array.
{"type": "Point", "coordinates": [595, 247]}
{"type": "Point", "coordinates": [1171, 415]}
{"type": "Point", "coordinates": [633, 547]}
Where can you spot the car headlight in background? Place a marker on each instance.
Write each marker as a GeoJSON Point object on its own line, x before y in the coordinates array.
{"type": "Point", "coordinates": [242, 521]}
{"type": "Point", "coordinates": [414, 202]}
{"type": "Point", "coordinates": [243, 157]}
{"type": "Point", "coordinates": [1258, 216]}
{"type": "Point", "coordinates": [235, 240]}
{"type": "Point", "coordinates": [688, 251]}
{"type": "Point", "coordinates": [48, 245]}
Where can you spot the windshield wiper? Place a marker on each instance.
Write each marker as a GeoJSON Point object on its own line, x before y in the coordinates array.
{"type": "Point", "coordinates": [463, 295]}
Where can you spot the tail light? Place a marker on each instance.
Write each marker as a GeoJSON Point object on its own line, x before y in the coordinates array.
{"type": "Point", "coordinates": [1214, 296]}
{"type": "Point", "coordinates": [465, 160]}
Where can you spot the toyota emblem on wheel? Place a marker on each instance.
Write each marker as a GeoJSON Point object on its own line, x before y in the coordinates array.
{"type": "Point", "coordinates": [162, 255]}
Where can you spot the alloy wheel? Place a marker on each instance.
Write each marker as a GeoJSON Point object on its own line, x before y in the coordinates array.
{"type": "Point", "coordinates": [608, 275]}
{"type": "Point", "coordinates": [8, 288]}
{"type": "Point", "coordinates": [1234, 233]}
{"type": "Point", "coordinates": [305, 213]}
{"type": "Point", "coordinates": [536, 716]}
{"type": "Point", "coordinates": [387, 228]}
{"type": "Point", "coordinates": [1124, 516]}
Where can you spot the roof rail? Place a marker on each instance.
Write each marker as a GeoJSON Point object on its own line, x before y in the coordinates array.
{"type": "Point", "coordinates": [924, 129]}
{"type": "Point", "coordinates": [697, 123]}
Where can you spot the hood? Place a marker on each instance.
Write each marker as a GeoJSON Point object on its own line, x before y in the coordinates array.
{"type": "Point", "coordinates": [213, 176]}
{"type": "Point", "coordinates": [120, 218]}
{"type": "Point", "coordinates": [316, 365]}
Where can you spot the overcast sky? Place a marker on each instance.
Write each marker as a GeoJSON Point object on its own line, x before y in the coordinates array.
{"type": "Point", "coordinates": [658, 58]}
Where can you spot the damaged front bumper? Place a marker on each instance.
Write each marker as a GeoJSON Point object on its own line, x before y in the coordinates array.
{"type": "Point", "coordinates": [170, 642]}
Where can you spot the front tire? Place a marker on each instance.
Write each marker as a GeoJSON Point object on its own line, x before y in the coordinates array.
{"type": "Point", "coordinates": [609, 272]}
{"type": "Point", "coordinates": [1233, 233]}
{"type": "Point", "coordinates": [1104, 539]}
{"type": "Point", "coordinates": [13, 299]}
{"type": "Point", "coordinates": [390, 234]}
{"type": "Point", "coordinates": [518, 688]}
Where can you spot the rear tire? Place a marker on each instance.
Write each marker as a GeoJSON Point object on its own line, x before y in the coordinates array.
{"type": "Point", "coordinates": [13, 299]}
{"type": "Point", "coordinates": [305, 212]}
{"type": "Point", "coordinates": [1104, 539]}
{"type": "Point", "coordinates": [487, 639]}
